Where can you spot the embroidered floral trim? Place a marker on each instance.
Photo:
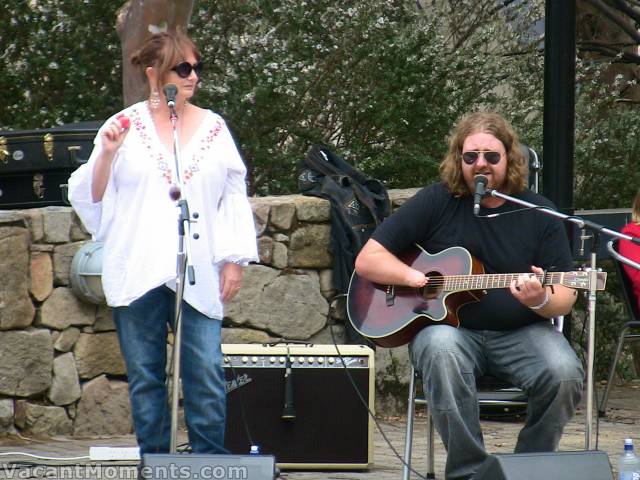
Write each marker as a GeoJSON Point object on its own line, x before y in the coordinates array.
{"type": "Point", "coordinates": [192, 167]}
{"type": "Point", "coordinates": [206, 143]}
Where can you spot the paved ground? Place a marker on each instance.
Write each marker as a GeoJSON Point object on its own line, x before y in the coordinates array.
{"type": "Point", "coordinates": [623, 420]}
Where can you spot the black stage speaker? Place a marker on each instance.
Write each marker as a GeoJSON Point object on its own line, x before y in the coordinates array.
{"type": "Point", "coordinates": [592, 464]}
{"type": "Point", "coordinates": [162, 466]}
{"type": "Point", "coordinates": [324, 425]}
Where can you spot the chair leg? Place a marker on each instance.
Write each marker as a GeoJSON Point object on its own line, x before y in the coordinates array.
{"type": "Point", "coordinates": [603, 404]}
{"type": "Point", "coordinates": [408, 439]}
{"type": "Point", "coordinates": [431, 471]}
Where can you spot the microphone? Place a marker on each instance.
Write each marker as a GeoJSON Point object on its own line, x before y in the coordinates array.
{"type": "Point", "coordinates": [170, 91]}
{"type": "Point", "coordinates": [288, 412]}
{"type": "Point", "coordinates": [481, 183]}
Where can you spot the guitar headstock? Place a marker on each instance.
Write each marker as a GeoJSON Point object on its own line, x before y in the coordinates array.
{"type": "Point", "coordinates": [581, 279]}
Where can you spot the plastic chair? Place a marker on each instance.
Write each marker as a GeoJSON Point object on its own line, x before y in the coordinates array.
{"type": "Point", "coordinates": [632, 308]}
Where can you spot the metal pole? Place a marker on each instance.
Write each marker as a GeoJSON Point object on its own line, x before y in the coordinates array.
{"type": "Point", "coordinates": [559, 102]}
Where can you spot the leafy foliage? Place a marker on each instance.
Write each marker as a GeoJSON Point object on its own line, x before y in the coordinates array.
{"type": "Point", "coordinates": [379, 80]}
{"type": "Point", "coordinates": [59, 62]}
{"type": "Point", "coordinates": [382, 81]}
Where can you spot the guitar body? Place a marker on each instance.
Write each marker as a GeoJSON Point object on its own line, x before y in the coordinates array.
{"type": "Point", "coordinates": [392, 315]}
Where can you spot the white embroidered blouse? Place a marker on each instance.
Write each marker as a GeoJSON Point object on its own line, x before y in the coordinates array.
{"type": "Point", "coordinates": [138, 222]}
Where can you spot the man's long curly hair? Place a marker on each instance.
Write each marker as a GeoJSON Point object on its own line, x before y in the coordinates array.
{"type": "Point", "coordinates": [496, 125]}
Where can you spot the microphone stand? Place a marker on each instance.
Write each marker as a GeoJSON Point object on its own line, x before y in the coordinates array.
{"type": "Point", "coordinates": [593, 279]}
{"type": "Point", "coordinates": [184, 267]}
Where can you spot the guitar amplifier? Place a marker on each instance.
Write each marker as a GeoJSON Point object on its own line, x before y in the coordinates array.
{"type": "Point", "coordinates": [35, 165]}
{"type": "Point", "coordinates": [326, 425]}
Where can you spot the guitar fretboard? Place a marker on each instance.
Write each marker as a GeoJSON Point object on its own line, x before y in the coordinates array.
{"type": "Point", "coordinates": [453, 283]}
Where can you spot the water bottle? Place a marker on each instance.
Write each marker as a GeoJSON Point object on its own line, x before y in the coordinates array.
{"type": "Point", "coordinates": [629, 463]}
{"type": "Point", "coordinates": [255, 450]}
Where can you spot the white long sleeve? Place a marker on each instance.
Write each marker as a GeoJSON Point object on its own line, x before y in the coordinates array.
{"type": "Point", "coordinates": [138, 222]}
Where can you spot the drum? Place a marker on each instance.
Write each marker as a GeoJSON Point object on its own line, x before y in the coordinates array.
{"type": "Point", "coordinates": [86, 273]}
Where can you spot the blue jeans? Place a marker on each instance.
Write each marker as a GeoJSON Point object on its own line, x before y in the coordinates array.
{"type": "Point", "coordinates": [536, 358]}
{"type": "Point", "coordinates": [142, 330]}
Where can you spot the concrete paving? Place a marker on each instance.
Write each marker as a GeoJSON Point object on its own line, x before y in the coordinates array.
{"type": "Point", "coordinates": [623, 420]}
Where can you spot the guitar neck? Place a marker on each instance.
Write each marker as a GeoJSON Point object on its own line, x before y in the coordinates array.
{"type": "Point", "coordinates": [453, 283]}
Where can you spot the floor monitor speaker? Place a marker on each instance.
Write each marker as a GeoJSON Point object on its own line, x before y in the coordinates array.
{"type": "Point", "coordinates": [186, 466]}
{"type": "Point", "coordinates": [591, 464]}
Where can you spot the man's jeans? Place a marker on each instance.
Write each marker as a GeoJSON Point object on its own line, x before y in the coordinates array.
{"type": "Point", "coordinates": [142, 330]}
{"type": "Point", "coordinates": [536, 358]}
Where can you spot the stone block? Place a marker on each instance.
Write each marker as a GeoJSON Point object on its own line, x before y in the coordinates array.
{"type": "Point", "coordinates": [6, 415]}
{"type": "Point", "coordinates": [35, 223]}
{"type": "Point", "coordinates": [308, 247]}
{"type": "Point", "coordinates": [41, 275]}
{"type": "Point", "coordinates": [265, 249]}
{"type": "Point", "coordinates": [286, 305]}
{"type": "Point", "coordinates": [104, 320]}
{"type": "Point", "coordinates": [63, 309]}
{"type": "Point", "coordinates": [260, 215]}
{"type": "Point", "coordinates": [62, 258]}
{"type": "Point", "coordinates": [42, 420]}
{"type": "Point", "coordinates": [27, 362]}
{"type": "Point", "coordinates": [313, 209]}
{"type": "Point", "coordinates": [66, 339]}
{"type": "Point", "coordinates": [65, 386]}
{"type": "Point", "coordinates": [98, 353]}
{"type": "Point", "coordinates": [280, 256]}
{"type": "Point", "coordinates": [104, 409]}
{"type": "Point", "coordinates": [282, 214]}
{"type": "Point", "coordinates": [245, 335]}
{"type": "Point", "coordinates": [16, 308]}
{"type": "Point", "coordinates": [57, 224]}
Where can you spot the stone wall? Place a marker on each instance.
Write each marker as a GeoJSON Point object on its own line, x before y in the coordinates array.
{"type": "Point", "coordinates": [62, 372]}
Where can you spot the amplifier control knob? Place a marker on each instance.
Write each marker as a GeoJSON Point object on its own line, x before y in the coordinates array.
{"type": "Point", "coordinates": [254, 359]}
{"type": "Point", "coordinates": [331, 360]}
{"type": "Point", "coordinates": [272, 360]}
{"type": "Point", "coordinates": [301, 359]}
{"type": "Point", "coordinates": [245, 359]}
{"type": "Point", "coordinates": [282, 359]}
{"type": "Point", "coordinates": [310, 360]}
{"type": "Point", "coordinates": [226, 359]}
{"type": "Point", "coordinates": [321, 360]}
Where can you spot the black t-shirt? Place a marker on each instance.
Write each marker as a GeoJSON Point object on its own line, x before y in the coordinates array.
{"type": "Point", "coordinates": [508, 243]}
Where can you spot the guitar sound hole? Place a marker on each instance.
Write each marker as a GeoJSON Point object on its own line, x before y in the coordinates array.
{"type": "Point", "coordinates": [433, 287]}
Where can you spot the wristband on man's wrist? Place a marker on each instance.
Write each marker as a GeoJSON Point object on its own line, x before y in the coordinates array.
{"type": "Point", "coordinates": [544, 302]}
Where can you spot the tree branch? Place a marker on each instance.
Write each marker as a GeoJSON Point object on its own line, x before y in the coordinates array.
{"type": "Point", "coordinates": [624, 6]}
{"type": "Point", "coordinates": [610, 52]}
{"type": "Point", "coordinates": [616, 18]}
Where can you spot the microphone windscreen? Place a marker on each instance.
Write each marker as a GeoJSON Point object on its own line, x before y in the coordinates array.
{"type": "Point", "coordinates": [170, 91]}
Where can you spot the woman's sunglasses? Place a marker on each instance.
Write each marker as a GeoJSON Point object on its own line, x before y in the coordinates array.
{"type": "Point", "coordinates": [184, 69]}
{"type": "Point", "coordinates": [470, 157]}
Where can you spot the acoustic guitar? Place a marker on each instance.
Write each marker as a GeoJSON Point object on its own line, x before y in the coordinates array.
{"type": "Point", "coordinates": [391, 315]}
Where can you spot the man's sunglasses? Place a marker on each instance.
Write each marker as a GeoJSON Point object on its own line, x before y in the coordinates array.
{"type": "Point", "coordinates": [184, 69]}
{"type": "Point", "coordinates": [470, 157]}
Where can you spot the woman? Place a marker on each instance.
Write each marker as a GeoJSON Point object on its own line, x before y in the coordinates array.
{"type": "Point", "coordinates": [122, 196]}
{"type": "Point", "coordinates": [631, 250]}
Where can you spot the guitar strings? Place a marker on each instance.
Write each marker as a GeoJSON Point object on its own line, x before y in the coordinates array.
{"type": "Point", "coordinates": [481, 281]}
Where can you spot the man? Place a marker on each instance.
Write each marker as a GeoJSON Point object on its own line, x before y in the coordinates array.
{"type": "Point", "coordinates": [507, 333]}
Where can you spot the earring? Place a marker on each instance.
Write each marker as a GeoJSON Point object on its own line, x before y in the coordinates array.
{"type": "Point", "coordinates": [154, 99]}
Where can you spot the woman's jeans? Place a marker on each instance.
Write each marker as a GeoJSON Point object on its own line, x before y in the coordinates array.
{"type": "Point", "coordinates": [142, 330]}
{"type": "Point", "coordinates": [536, 358]}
